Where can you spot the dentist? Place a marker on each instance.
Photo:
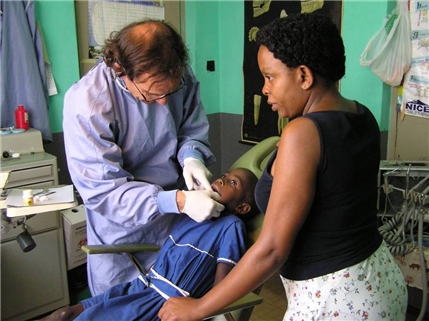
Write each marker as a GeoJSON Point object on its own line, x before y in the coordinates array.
{"type": "Point", "coordinates": [135, 131]}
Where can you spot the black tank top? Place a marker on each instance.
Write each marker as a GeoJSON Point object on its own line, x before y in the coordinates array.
{"type": "Point", "coordinates": [341, 228]}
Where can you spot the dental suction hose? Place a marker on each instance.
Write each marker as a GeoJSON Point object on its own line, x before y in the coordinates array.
{"type": "Point", "coordinates": [422, 212]}
{"type": "Point", "coordinates": [422, 262]}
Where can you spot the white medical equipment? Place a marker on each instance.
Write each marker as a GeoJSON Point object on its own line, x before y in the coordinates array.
{"type": "Point", "coordinates": [403, 206]}
{"type": "Point", "coordinates": [33, 265]}
{"type": "Point", "coordinates": [403, 194]}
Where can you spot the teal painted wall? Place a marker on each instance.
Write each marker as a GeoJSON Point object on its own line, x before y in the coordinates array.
{"type": "Point", "coordinates": [214, 31]}
{"type": "Point", "coordinates": [202, 39]}
{"type": "Point", "coordinates": [57, 21]}
{"type": "Point", "coordinates": [231, 46]}
{"type": "Point", "coordinates": [361, 19]}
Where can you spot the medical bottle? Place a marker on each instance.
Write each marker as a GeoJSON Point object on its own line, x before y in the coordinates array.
{"type": "Point", "coordinates": [21, 118]}
{"type": "Point", "coordinates": [27, 197]}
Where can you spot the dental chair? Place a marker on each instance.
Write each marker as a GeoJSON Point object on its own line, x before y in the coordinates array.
{"type": "Point", "coordinates": [255, 160]}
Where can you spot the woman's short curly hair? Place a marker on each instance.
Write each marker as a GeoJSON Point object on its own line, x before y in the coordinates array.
{"type": "Point", "coordinates": [306, 39]}
{"type": "Point", "coordinates": [148, 46]}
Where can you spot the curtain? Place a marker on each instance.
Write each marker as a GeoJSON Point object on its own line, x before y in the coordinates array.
{"type": "Point", "coordinates": [22, 67]}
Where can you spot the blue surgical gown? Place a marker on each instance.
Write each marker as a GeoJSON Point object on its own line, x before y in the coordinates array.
{"type": "Point", "coordinates": [186, 266]}
{"type": "Point", "coordinates": [121, 153]}
{"type": "Point", "coordinates": [22, 71]}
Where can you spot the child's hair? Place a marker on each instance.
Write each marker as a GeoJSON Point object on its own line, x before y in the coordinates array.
{"type": "Point", "coordinates": [249, 196]}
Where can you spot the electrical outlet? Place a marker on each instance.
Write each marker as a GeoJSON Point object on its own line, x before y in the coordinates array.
{"type": "Point", "coordinates": [210, 65]}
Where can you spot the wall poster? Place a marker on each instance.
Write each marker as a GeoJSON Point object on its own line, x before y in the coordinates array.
{"type": "Point", "coordinates": [414, 100]}
{"type": "Point", "coordinates": [259, 121]}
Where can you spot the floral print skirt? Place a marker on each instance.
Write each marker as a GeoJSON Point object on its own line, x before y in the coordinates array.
{"type": "Point", "coordinates": [373, 289]}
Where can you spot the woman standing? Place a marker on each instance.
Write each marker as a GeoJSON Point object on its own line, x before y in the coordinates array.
{"type": "Point", "coordinates": [319, 191]}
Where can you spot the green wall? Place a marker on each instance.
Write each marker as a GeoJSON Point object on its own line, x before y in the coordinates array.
{"type": "Point", "coordinates": [202, 39]}
{"type": "Point", "coordinates": [361, 19]}
{"type": "Point", "coordinates": [57, 21]}
{"type": "Point", "coordinates": [231, 46]}
{"type": "Point", "coordinates": [216, 28]}
{"type": "Point", "coordinates": [214, 31]}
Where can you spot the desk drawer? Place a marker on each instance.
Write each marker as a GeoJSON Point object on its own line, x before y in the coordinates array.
{"type": "Point", "coordinates": [36, 224]}
{"type": "Point", "coordinates": [28, 174]}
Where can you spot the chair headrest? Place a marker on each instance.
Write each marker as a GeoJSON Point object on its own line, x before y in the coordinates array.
{"type": "Point", "coordinates": [257, 157]}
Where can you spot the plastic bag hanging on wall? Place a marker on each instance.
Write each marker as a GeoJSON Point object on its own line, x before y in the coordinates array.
{"type": "Point", "coordinates": [388, 52]}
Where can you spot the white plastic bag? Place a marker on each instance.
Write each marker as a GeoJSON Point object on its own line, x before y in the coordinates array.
{"type": "Point", "coordinates": [388, 52]}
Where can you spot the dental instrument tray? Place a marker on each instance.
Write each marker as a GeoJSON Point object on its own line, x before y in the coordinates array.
{"type": "Point", "coordinates": [60, 198]}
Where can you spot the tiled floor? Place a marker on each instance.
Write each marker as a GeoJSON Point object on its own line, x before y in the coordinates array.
{"type": "Point", "coordinates": [274, 306]}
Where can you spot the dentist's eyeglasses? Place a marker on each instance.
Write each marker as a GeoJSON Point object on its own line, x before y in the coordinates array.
{"type": "Point", "coordinates": [149, 99]}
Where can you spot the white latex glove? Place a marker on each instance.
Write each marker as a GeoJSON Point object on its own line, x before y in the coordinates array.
{"type": "Point", "coordinates": [202, 205]}
{"type": "Point", "coordinates": [196, 175]}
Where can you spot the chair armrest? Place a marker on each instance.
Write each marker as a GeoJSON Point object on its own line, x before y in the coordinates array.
{"type": "Point", "coordinates": [119, 248]}
{"type": "Point", "coordinates": [247, 301]}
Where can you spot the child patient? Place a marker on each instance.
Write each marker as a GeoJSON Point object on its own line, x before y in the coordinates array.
{"type": "Point", "coordinates": [195, 257]}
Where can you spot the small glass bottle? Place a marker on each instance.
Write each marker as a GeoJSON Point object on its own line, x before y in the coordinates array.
{"type": "Point", "coordinates": [27, 196]}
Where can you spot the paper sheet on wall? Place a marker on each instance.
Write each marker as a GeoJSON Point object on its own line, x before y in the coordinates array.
{"type": "Point", "coordinates": [415, 92]}
{"type": "Point", "coordinates": [50, 82]}
{"type": "Point", "coordinates": [105, 17]}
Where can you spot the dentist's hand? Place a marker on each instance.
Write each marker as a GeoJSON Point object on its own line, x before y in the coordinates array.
{"type": "Point", "coordinates": [199, 205]}
{"type": "Point", "coordinates": [196, 175]}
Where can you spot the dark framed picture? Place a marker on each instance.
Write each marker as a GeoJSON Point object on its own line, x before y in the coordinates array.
{"type": "Point", "coordinates": [259, 121]}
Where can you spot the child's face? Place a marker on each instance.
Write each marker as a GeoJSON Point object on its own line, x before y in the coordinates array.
{"type": "Point", "coordinates": [232, 188]}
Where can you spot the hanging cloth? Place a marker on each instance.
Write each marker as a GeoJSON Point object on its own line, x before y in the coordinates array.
{"type": "Point", "coordinates": [22, 67]}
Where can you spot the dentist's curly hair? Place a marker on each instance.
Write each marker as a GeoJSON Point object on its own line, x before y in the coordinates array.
{"type": "Point", "coordinates": [306, 39]}
{"type": "Point", "coordinates": [148, 46]}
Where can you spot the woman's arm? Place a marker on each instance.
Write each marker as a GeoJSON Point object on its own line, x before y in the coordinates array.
{"type": "Point", "coordinates": [290, 201]}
